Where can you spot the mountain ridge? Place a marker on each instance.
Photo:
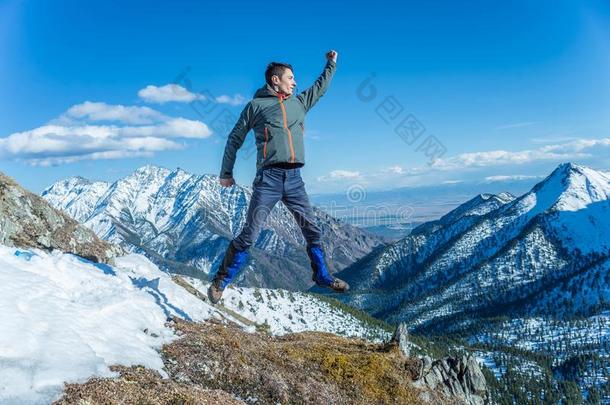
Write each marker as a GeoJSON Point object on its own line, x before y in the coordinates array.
{"type": "Point", "coordinates": [184, 222]}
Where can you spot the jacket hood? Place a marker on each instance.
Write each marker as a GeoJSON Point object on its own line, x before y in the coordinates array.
{"type": "Point", "coordinates": [266, 91]}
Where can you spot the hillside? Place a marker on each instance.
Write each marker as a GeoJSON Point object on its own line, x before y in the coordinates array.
{"type": "Point", "coordinates": [527, 272]}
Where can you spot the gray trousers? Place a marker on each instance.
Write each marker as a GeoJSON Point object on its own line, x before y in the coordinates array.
{"type": "Point", "coordinates": [270, 185]}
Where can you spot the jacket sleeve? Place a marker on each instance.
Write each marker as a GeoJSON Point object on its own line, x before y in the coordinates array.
{"type": "Point", "coordinates": [311, 96]}
{"type": "Point", "coordinates": [235, 140]}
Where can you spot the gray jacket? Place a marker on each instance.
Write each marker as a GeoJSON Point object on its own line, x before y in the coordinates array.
{"type": "Point", "coordinates": [278, 124]}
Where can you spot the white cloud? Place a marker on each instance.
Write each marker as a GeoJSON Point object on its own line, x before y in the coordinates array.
{"type": "Point", "coordinates": [579, 149]}
{"type": "Point", "coordinates": [510, 177]}
{"type": "Point", "coordinates": [173, 127]}
{"type": "Point", "coordinates": [394, 169]}
{"type": "Point", "coordinates": [577, 146]}
{"type": "Point", "coordinates": [565, 136]}
{"type": "Point", "coordinates": [95, 112]}
{"type": "Point", "coordinates": [103, 155]}
{"type": "Point", "coordinates": [312, 134]}
{"type": "Point", "coordinates": [470, 166]}
{"type": "Point", "coordinates": [339, 175]}
{"type": "Point", "coordinates": [516, 125]}
{"type": "Point", "coordinates": [52, 144]}
{"type": "Point", "coordinates": [73, 137]}
{"type": "Point", "coordinates": [232, 100]}
{"type": "Point", "coordinates": [176, 93]}
{"type": "Point", "coordinates": [167, 93]}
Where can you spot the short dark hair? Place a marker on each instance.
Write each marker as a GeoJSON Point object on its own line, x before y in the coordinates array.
{"type": "Point", "coordinates": [275, 68]}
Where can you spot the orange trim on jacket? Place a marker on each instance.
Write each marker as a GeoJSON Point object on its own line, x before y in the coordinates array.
{"type": "Point", "coordinates": [281, 98]}
{"type": "Point", "coordinates": [265, 146]}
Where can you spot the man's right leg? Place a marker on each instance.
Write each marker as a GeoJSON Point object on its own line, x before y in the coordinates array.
{"type": "Point", "coordinates": [296, 200]}
{"type": "Point", "coordinates": [267, 191]}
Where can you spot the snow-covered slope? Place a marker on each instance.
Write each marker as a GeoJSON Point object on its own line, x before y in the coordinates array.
{"type": "Point", "coordinates": [66, 319]}
{"type": "Point", "coordinates": [285, 311]}
{"type": "Point", "coordinates": [183, 222]}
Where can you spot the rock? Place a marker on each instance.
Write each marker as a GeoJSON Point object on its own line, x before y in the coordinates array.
{"type": "Point", "coordinates": [426, 365]}
{"type": "Point", "coordinates": [29, 221]}
{"type": "Point", "coordinates": [457, 377]}
{"type": "Point", "coordinates": [401, 338]}
{"type": "Point", "coordinates": [476, 380]}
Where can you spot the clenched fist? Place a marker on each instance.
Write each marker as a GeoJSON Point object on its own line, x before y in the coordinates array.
{"type": "Point", "coordinates": [332, 55]}
{"type": "Point", "coordinates": [227, 182]}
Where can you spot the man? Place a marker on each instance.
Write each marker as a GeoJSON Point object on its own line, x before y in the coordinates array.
{"type": "Point", "coordinates": [277, 118]}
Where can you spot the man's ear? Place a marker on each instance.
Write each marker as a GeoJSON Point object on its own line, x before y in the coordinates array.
{"type": "Point", "coordinates": [275, 79]}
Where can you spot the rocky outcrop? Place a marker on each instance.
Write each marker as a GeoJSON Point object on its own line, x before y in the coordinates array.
{"type": "Point", "coordinates": [29, 221]}
{"type": "Point", "coordinates": [401, 338]}
{"type": "Point", "coordinates": [459, 377]}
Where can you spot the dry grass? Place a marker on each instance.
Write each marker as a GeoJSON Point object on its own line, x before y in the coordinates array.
{"type": "Point", "coordinates": [138, 385]}
{"type": "Point", "coordinates": [301, 368]}
{"type": "Point", "coordinates": [216, 363]}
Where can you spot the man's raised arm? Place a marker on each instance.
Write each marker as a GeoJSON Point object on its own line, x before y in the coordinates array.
{"type": "Point", "coordinates": [234, 141]}
{"type": "Point", "coordinates": [311, 96]}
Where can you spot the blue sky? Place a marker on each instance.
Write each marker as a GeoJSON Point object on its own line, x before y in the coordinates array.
{"type": "Point", "coordinates": [499, 89]}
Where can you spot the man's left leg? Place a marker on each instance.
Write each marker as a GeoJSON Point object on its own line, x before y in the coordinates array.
{"type": "Point", "coordinates": [296, 200]}
{"type": "Point", "coordinates": [266, 192]}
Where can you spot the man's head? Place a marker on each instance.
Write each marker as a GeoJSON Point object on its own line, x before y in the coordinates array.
{"type": "Point", "coordinates": [280, 77]}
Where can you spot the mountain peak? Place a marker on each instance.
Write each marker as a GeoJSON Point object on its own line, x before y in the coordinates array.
{"type": "Point", "coordinates": [502, 197]}
{"type": "Point", "coordinates": [150, 168]}
{"type": "Point", "coordinates": [567, 165]}
{"type": "Point", "coordinates": [575, 186]}
{"type": "Point", "coordinates": [479, 205]}
{"type": "Point", "coordinates": [566, 169]}
{"type": "Point", "coordinates": [178, 169]}
{"type": "Point", "coordinates": [73, 181]}
{"type": "Point", "coordinates": [79, 179]}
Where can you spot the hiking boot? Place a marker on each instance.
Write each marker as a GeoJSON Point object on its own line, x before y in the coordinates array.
{"type": "Point", "coordinates": [215, 292]}
{"type": "Point", "coordinates": [338, 285]}
{"type": "Point", "coordinates": [232, 263]}
{"type": "Point", "coordinates": [320, 274]}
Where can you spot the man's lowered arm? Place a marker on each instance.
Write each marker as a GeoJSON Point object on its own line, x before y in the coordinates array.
{"type": "Point", "coordinates": [235, 140]}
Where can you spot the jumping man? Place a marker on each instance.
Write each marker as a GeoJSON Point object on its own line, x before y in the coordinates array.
{"type": "Point", "coordinates": [277, 117]}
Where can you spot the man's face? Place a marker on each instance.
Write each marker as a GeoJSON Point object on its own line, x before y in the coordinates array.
{"type": "Point", "coordinates": [286, 82]}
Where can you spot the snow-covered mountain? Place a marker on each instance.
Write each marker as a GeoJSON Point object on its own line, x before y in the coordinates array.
{"type": "Point", "coordinates": [492, 249]}
{"type": "Point", "coordinates": [184, 222]}
{"type": "Point", "coordinates": [68, 317]}
{"type": "Point", "coordinates": [503, 270]}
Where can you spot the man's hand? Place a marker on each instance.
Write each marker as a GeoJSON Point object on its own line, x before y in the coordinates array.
{"type": "Point", "coordinates": [332, 55]}
{"type": "Point", "coordinates": [227, 182]}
